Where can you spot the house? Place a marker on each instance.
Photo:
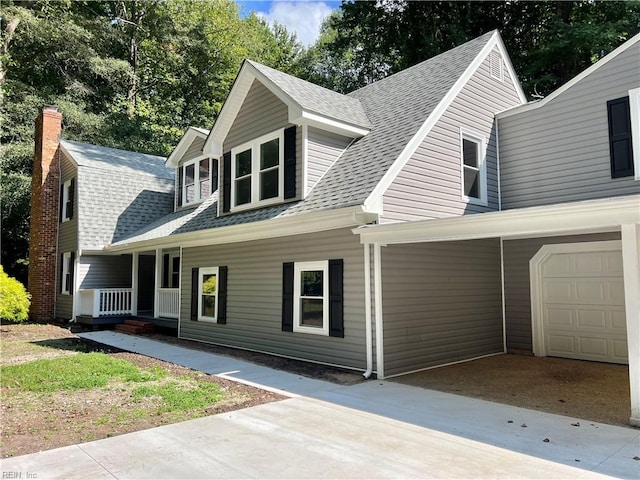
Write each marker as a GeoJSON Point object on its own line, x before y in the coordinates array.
{"type": "Point", "coordinates": [428, 218]}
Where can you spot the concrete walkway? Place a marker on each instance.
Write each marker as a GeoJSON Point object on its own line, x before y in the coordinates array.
{"type": "Point", "coordinates": [375, 429]}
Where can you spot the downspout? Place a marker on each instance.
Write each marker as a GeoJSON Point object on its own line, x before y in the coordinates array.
{"type": "Point", "coordinates": [55, 269]}
{"type": "Point", "coordinates": [367, 310]}
{"type": "Point", "coordinates": [377, 284]}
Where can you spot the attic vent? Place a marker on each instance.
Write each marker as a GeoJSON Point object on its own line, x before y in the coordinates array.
{"type": "Point", "coordinates": [496, 66]}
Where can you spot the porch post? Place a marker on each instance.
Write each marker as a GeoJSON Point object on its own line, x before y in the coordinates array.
{"type": "Point", "coordinates": [377, 285]}
{"type": "Point", "coordinates": [134, 283]}
{"type": "Point", "coordinates": [157, 279]}
{"type": "Point", "coordinates": [631, 268]}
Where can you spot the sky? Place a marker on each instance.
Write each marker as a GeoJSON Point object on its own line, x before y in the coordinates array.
{"type": "Point", "coordinates": [303, 17]}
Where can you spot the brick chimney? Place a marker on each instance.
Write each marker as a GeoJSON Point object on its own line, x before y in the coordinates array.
{"type": "Point", "coordinates": [45, 197]}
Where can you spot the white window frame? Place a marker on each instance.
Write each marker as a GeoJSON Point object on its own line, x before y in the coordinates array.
{"type": "Point", "coordinates": [196, 177]}
{"type": "Point", "coordinates": [300, 267]}
{"type": "Point", "coordinates": [201, 273]}
{"type": "Point", "coordinates": [482, 166]}
{"type": "Point", "coordinates": [634, 107]}
{"type": "Point", "coordinates": [66, 188]}
{"type": "Point", "coordinates": [254, 146]}
{"type": "Point", "coordinates": [66, 271]}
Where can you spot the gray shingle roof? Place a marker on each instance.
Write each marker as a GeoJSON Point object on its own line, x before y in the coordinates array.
{"type": "Point", "coordinates": [317, 99]}
{"type": "Point", "coordinates": [396, 106]}
{"type": "Point", "coordinates": [116, 160]}
{"type": "Point", "coordinates": [119, 192]}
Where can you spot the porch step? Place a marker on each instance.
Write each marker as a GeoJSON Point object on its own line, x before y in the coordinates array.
{"type": "Point", "coordinates": [135, 326]}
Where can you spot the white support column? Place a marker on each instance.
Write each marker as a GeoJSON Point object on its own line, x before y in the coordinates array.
{"type": "Point", "coordinates": [134, 283]}
{"type": "Point", "coordinates": [631, 267]}
{"type": "Point", "coordinates": [367, 310]}
{"type": "Point", "coordinates": [377, 285]}
{"type": "Point", "coordinates": [157, 280]}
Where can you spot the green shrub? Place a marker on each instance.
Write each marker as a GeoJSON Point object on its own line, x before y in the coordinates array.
{"type": "Point", "coordinates": [14, 299]}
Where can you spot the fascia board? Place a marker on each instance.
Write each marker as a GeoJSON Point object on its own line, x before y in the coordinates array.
{"type": "Point", "coordinates": [304, 117]}
{"type": "Point", "coordinates": [187, 139]}
{"type": "Point", "coordinates": [375, 196]}
{"type": "Point", "coordinates": [599, 64]}
{"type": "Point", "coordinates": [511, 70]}
{"type": "Point", "coordinates": [588, 216]}
{"type": "Point", "coordinates": [277, 227]}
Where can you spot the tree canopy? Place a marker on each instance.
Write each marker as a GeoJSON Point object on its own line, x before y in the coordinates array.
{"type": "Point", "coordinates": [134, 74]}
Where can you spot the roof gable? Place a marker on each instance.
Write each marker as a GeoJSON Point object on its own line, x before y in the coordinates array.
{"type": "Point", "coordinates": [307, 104]}
{"type": "Point", "coordinates": [192, 134]}
{"type": "Point", "coordinates": [599, 64]}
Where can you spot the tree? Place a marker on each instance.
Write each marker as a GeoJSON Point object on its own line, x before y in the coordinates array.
{"type": "Point", "coordinates": [549, 42]}
{"type": "Point", "coordinates": [130, 74]}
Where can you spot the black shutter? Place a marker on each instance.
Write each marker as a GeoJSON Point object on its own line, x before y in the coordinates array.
{"type": "Point", "coordinates": [72, 195]}
{"type": "Point", "coordinates": [290, 162]}
{"type": "Point", "coordinates": [222, 295]}
{"type": "Point", "coordinates": [179, 186]}
{"type": "Point", "coordinates": [620, 148]}
{"type": "Point", "coordinates": [72, 266]}
{"type": "Point", "coordinates": [61, 273]}
{"type": "Point", "coordinates": [336, 302]}
{"type": "Point", "coordinates": [194, 294]}
{"type": "Point", "coordinates": [165, 270]}
{"type": "Point", "coordinates": [226, 182]}
{"type": "Point", "coordinates": [287, 297]}
{"type": "Point", "coordinates": [62, 205]}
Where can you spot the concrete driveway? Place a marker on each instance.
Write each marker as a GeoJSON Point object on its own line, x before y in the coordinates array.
{"type": "Point", "coordinates": [374, 429]}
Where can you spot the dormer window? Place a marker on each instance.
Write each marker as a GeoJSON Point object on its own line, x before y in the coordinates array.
{"type": "Point", "coordinates": [257, 171]}
{"type": "Point", "coordinates": [197, 179]}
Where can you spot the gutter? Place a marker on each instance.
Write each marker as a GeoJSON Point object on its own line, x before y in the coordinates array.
{"type": "Point", "coordinates": [263, 229]}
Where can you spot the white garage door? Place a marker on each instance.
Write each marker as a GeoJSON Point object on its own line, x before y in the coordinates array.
{"type": "Point", "coordinates": [583, 306]}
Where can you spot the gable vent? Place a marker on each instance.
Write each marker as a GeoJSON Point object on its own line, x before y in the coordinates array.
{"type": "Point", "coordinates": [496, 67]}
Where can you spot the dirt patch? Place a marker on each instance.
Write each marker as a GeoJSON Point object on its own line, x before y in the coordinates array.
{"type": "Point", "coordinates": [588, 390]}
{"type": "Point", "coordinates": [35, 421]}
{"type": "Point", "coordinates": [306, 369]}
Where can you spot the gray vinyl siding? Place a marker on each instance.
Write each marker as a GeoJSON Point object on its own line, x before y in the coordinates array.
{"type": "Point", "coordinates": [262, 113]}
{"type": "Point", "coordinates": [194, 151]}
{"type": "Point", "coordinates": [67, 238]}
{"type": "Point", "coordinates": [430, 184]}
{"type": "Point", "coordinates": [441, 303]}
{"type": "Point", "coordinates": [517, 294]}
{"type": "Point", "coordinates": [254, 297]}
{"type": "Point", "coordinates": [323, 148]}
{"type": "Point", "coordinates": [560, 152]}
{"type": "Point", "coordinates": [101, 271]}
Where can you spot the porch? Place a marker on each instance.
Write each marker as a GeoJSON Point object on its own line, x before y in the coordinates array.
{"type": "Point", "coordinates": [143, 285]}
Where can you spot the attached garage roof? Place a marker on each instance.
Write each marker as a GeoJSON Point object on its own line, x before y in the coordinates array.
{"type": "Point", "coordinates": [578, 217]}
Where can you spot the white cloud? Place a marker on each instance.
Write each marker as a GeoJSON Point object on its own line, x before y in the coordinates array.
{"type": "Point", "coordinates": [303, 18]}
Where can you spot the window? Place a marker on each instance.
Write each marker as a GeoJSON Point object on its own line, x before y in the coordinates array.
{"type": "Point", "coordinates": [196, 180]}
{"type": "Point", "coordinates": [171, 270]}
{"type": "Point", "coordinates": [312, 297]}
{"type": "Point", "coordinates": [67, 194]}
{"type": "Point", "coordinates": [209, 294]}
{"type": "Point", "coordinates": [496, 66]}
{"type": "Point", "coordinates": [66, 273]}
{"type": "Point", "coordinates": [257, 171]}
{"type": "Point", "coordinates": [473, 169]}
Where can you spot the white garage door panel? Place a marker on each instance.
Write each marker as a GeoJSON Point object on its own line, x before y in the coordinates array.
{"type": "Point", "coordinates": [583, 306]}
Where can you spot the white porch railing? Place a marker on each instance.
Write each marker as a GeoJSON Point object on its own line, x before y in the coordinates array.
{"type": "Point", "coordinates": [169, 302]}
{"type": "Point", "coordinates": [106, 301]}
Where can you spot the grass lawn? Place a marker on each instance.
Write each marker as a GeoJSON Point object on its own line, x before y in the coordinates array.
{"type": "Point", "coordinates": [57, 389]}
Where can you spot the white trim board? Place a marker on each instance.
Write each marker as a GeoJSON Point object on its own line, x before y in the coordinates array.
{"type": "Point", "coordinates": [568, 218]}
{"type": "Point", "coordinates": [183, 145]}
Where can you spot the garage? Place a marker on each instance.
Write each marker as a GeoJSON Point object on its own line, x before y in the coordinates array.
{"type": "Point", "coordinates": [582, 306]}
